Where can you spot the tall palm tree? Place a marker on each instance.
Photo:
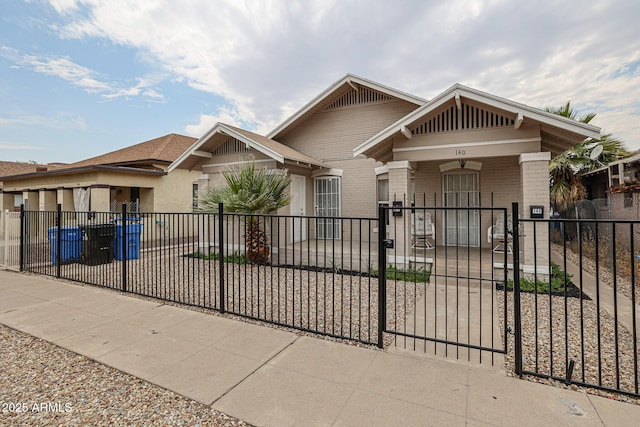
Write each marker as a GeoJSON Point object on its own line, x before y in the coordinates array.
{"type": "Point", "coordinates": [250, 191]}
{"type": "Point", "coordinates": [565, 168]}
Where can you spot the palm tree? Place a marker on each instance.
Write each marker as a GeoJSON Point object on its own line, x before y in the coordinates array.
{"type": "Point", "coordinates": [250, 191]}
{"type": "Point", "coordinates": [565, 168]}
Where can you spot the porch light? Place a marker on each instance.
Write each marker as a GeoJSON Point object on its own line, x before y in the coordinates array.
{"type": "Point", "coordinates": [462, 163]}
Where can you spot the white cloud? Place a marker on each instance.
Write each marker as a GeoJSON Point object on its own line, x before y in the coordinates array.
{"type": "Point", "coordinates": [85, 78]}
{"type": "Point", "coordinates": [10, 146]}
{"type": "Point", "coordinates": [67, 70]}
{"type": "Point", "coordinates": [224, 115]}
{"type": "Point", "coordinates": [268, 58]}
{"type": "Point", "coordinates": [59, 121]}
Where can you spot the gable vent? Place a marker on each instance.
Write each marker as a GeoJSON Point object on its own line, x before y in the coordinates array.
{"type": "Point", "coordinates": [468, 117]}
{"type": "Point", "coordinates": [232, 146]}
{"type": "Point", "coordinates": [358, 97]}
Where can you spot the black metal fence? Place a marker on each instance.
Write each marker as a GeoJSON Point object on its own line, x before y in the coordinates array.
{"type": "Point", "coordinates": [579, 324]}
{"type": "Point", "coordinates": [213, 260]}
{"type": "Point", "coordinates": [560, 304]}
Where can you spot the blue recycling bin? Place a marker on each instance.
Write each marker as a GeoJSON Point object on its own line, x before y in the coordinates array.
{"type": "Point", "coordinates": [70, 244]}
{"type": "Point", "coordinates": [133, 241]}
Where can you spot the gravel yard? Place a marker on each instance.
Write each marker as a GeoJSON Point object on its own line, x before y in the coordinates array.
{"type": "Point", "coordinates": [623, 283]}
{"type": "Point", "coordinates": [540, 354]}
{"type": "Point", "coordinates": [327, 302]}
{"type": "Point", "coordinates": [53, 386]}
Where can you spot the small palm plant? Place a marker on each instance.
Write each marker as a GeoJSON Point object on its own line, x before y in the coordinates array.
{"type": "Point", "coordinates": [250, 191]}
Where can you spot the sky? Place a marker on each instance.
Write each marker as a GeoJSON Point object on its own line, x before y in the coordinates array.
{"type": "Point", "coordinates": [79, 78]}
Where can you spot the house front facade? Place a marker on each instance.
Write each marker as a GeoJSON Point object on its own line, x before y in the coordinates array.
{"type": "Point", "coordinates": [359, 144]}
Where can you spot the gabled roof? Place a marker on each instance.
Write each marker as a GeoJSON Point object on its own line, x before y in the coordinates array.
{"type": "Point", "coordinates": [203, 147]}
{"type": "Point", "coordinates": [571, 130]}
{"type": "Point", "coordinates": [350, 81]}
{"type": "Point", "coordinates": [164, 149]}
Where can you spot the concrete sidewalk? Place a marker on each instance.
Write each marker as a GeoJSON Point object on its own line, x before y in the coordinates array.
{"type": "Point", "coordinates": [267, 376]}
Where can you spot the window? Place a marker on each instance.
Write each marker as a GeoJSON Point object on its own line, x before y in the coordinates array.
{"type": "Point", "coordinates": [17, 200]}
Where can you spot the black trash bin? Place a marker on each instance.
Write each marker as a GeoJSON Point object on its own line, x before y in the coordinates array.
{"type": "Point", "coordinates": [97, 245]}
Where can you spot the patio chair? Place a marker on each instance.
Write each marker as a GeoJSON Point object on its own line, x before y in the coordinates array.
{"type": "Point", "coordinates": [421, 230]}
{"type": "Point", "coordinates": [495, 234]}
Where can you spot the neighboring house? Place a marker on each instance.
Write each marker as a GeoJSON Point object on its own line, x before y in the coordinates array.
{"type": "Point", "coordinates": [614, 189]}
{"type": "Point", "coordinates": [359, 143]}
{"type": "Point", "coordinates": [12, 202]}
{"type": "Point", "coordinates": [136, 174]}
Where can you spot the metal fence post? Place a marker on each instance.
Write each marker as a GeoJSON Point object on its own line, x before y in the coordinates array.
{"type": "Point", "coordinates": [382, 275]}
{"type": "Point", "coordinates": [123, 246]}
{"type": "Point", "coordinates": [517, 320]}
{"type": "Point", "coordinates": [59, 240]}
{"type": "Point", "coordinates": [22, 228]}
{"type": "Point", "coordinates": [221, 257]}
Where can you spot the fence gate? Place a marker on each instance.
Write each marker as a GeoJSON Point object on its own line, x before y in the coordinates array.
{"type": "Point", "coordinates": [9, 238]}
{"type": "Point", "coordinates": [444, 294]}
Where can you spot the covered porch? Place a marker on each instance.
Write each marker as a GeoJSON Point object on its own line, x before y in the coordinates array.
{"type": "Point", "coordinates": [466, 150]}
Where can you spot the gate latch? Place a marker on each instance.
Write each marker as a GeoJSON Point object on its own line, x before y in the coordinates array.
{"type": "Point", "coordinates": [388, 243]}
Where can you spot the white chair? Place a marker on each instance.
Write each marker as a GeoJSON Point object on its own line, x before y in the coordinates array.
{"type": "Point", "coordinates": [495, 234]}
{"type": "Point", "coordinates": [421, 230]}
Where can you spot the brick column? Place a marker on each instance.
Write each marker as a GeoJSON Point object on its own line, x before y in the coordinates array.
{"type": "Point", "coordinates": [534, 181]}
{"type": "Point", "coordinates": [399, 227]}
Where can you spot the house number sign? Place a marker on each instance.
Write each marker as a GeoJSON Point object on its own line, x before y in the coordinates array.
{"type": "Point", "coordinates": [461, 153]}
{"type": "Point", "coordinates": [537, 211]}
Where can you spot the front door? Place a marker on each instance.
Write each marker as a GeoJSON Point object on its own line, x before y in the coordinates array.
{"type": "Point", "coordinates": [298, 208]}
{"type": "Point", "coordinates": [461, 226]}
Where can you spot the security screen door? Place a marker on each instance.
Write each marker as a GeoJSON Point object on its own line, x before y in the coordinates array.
{"type": "Point", "coordinates": [327, 204]}
{"type": "Point", "coordinates": [461, 226]}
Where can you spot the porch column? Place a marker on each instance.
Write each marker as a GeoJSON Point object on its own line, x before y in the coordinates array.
{"type": "Point", "coordinates": [47, 203]}
{"type": "Point", "coordinates": [399, 227]}
{"type": "Point", "coordinates": [6, 202]}
{"type": "Point", "coordinates": [65, 198]}
{"type": "Point", "coordinates": [534, 181]}
{"type": "Point", "coordinates": [31, 200]}
{"type": "Point", "coordinates": [100, 198]}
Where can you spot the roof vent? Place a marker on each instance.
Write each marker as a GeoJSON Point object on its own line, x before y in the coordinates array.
{"type": "Point", "coordinates": [41, 168]}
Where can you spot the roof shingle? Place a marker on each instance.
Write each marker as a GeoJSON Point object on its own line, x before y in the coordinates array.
{"type": "Point", "coordinates": [164, 149]}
